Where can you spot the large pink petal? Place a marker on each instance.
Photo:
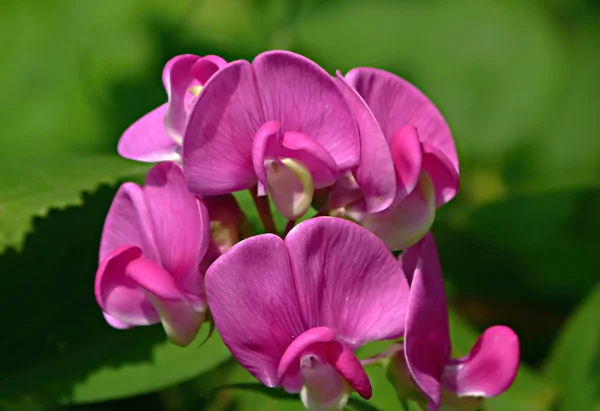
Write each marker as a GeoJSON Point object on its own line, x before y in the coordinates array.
{"type": "Point", "coordinates": [177, 79]}
{"type": "Point", "coordinates": [303, 97]}
{"type": "Point", "coordinates": [347, 280]}
{"type": "Point", "coordinates": [128, 223]}
{"type": "Point", "coordinates": [147, 139]}
{"type": "Point", "coordinates": [180, 319]}
{"type": "Point", "coordinates": [375, 172]}
{"type": "Point", "coordinates": [442, 172]}
{"type": "Point", "coordinates": [180, 224]}
{"type": "Point", "coordinates": [253, 302]}
{"type": "Point", "coordinates": [405, 222]}
{"type": "Point", "coordinates": [427, 338]}
{"type": "Point", "coordinates": [489, 369]}
{"type": "Point", "coordinates": [395, 103]}
{"type": "Point", "coordinates": [217, 146]}
{"type": "Point", "coordinates": [118, 295]}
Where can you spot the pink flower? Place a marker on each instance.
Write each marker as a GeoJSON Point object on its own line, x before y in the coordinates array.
{"type": "Point", "coordinates": [293, 311]}
{"type": "Point", "coordinates": [280, 122]}
{"type": "Point", "coordinates": [158, 135]}
{"type": "Point", "coordinates": [488, 370]}
{"type": "Point", "coordinates": [153, 239]}
{"type": "Point", "coordinates": [408, 161]}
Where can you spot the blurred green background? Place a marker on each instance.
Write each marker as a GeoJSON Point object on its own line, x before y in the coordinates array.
{"type": "Point", "coordinates": [518, 82]}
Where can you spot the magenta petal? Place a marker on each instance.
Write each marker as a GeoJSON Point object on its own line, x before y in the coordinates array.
{"type": "Point", "coordinates": [303, 97]}
{"type": "Point", "coordinates": [395, 103]}
{"type": "Point", "coordinates": [347, 280]}
{"type": "Point", "coordinates": [205, 67]}
{"type": "Point", "coordinates": [180, 320]}
{"type": "Point", "coordinates": [409, 259]}
{"type": "Point", "coordinates": [180, 223]}
{"type": "Point", "coordinates": [155, 279]}
{"type": "Point", "coordinates": [375, 172]}
{"type": "Point", "coordinates": [177, 78]}
{"type": "Point", "coordinates": [427, 338]}
{"type": "Point", "coordinates": [147, 139]}
{"type": "Point", "coordinates": [345, 362]}
{"type": "Point", "coordinates": [118, 295]}
{"type": "Point", "coordinates": [406, 153]}
{"type": "Point", "coordinates": [300, 344]}
{"type": "Point", "coordinates": [113, 322]}
{"type": "Point", "coordinates": [266, 144]}
{"type": "Point", "coordinates": [405, 222]}
{"type": "Point", "coordinates": [252, 298]}
{"type": "Point", "coordinates": [442, 172]}
{"type": "Point", "coordinates": [217, 147]}
{"type": "Point", "coordinates": [128, 223]}
{"type": "Point", "coordinates": [489, 369]}
{"type": "Point", "coordinates": [316, 159]}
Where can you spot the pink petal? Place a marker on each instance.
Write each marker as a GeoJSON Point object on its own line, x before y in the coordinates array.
{"type": "Point", "coordinates": [375, 172]}
{"type": "Point", "coordinates": [303, 97]}
{"type": "Point", "coordinates": [113, 322]}
{"type": "Point", "coordinates": [345, 362]}
{"type": "Point", "coordinates": [265, 145]}
{"type": "Point", "coordinates": [427, 338]}
{"type": "Point", "coordinates": [324, 388]}
{"type": "Point", "coordinates": [289, 365]}
{"type": "Point", "coordinates": [442, 172]}
{"type": "Point", "coordinates": [217, 147]}
{"type": "Point", "coordinates": [177, 79]}
{"type": "Point", "coordinates": [290, 186]}
{"type": "Point", "coordinates": [147, 139]}
{"type": "Point", "coordinates": [395, 103]}
{"type": "Point", "coordinates": [404, 223]}
{"type": "Point", "coordinates": [319, 342]}
{"type": "Point", "coordinates": [406, 153]}
{"type": "Point", "coordinates": [180, 224]}
{"type": "Point", "coordinates": [409, 259]}
{"type": "Point", "coordinates": [252, 298]}
{"type": "Point", "coordinates": [347, 280]}
{"type": "Point", "coordinates": [128, 223]}
{"type": "Point", "coordinates": [315, 158]}
{"type": "Point", "coordinates": [180, 320]}
{"type": "Point", "coordinates": [155, 279]}
{"type": "Point", "coordinates": [205, 67]}
{"type": "Point", "coordinates": [489, 369]}
{"type": "Point", "coordinates": [118, 295]}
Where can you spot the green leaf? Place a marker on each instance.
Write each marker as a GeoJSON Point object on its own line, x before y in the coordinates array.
{"type": "Point", "coordinates": [494, 68]}
{"type": "Point", "coordinates": [575, 360]}
{"type": "Point", "coordinates": [57, 348]}
{"type": "Point", "coordinates": [510, 241]}
{"type": "Point", "coordinates": [30, 187]}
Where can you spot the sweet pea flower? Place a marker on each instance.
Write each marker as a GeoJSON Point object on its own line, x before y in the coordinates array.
{"type": "Point", "coordinates": [152, 243]}
{"type": "Point", "coordinates": [279, 122]}
{"type": "Point", "coordinates": [158, 135]}
{"type": "Point", "coordinates": [293, 311]}
{"type": "Point", "coordinates": [408, 161]}
{"type": "Point", "coordinates": [488, 370]}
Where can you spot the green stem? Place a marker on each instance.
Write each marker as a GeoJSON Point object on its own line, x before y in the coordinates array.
{"type": "Point", "coordinates": [264, 210]}
{"type": "Point", "coordinates": [405, 406]}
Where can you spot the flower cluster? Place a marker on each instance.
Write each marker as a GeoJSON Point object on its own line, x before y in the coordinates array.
{"type": "Point", "coordinates": [372, 154]}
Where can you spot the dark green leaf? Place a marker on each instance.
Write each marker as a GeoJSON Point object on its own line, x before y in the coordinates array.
{"type": "Point", "coordinates": [575, 360]}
